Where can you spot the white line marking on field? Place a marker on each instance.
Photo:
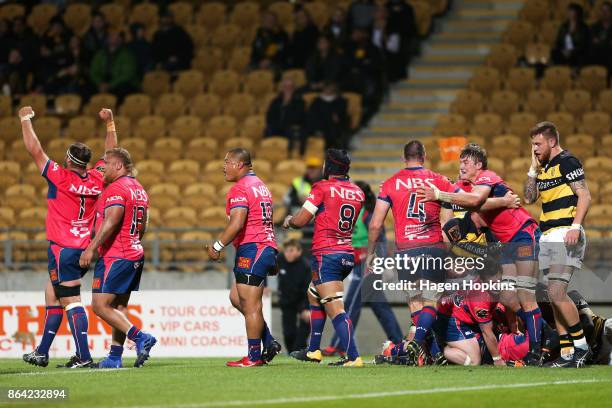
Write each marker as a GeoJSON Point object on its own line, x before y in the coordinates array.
{"type": "Point", "coordinates": [61, 371]}
{"type": "Point", "coordinates": [295, 400]}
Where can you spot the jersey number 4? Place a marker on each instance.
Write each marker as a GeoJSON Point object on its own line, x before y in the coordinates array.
{"type": "Point", "coordinates": [416, 210]}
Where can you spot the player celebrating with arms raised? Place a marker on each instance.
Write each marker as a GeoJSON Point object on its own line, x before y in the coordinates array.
{"type": "Point", "coordinates": [71, 198]}
{"type": "Point", "coordinates": [249, 209]}
{"type": "Point", "coordinates": [558, 178]}
{"type": "Point", "coordinates": [121, 221]}
{"type": "Point", "coordinates": [335, 203]}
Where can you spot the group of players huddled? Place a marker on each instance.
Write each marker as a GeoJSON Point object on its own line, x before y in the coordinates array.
{"type": "Point", "coordinates": [524, 323]}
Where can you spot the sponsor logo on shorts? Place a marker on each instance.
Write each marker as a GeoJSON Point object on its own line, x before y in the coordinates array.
{"type": "Point", "coordinates": [53, 274]}
{"type": "Point", "coordinates": [244, 263]}
{"type": "Point", "coordinates": [346, 262]}
{"type": "Point", "coordinates": [525, 251]}
{"type": "Point", "coordinates": [96, 283]}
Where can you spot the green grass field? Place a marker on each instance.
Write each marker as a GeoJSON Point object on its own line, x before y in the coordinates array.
{"type": "Point", "coordinates": [192, 383]}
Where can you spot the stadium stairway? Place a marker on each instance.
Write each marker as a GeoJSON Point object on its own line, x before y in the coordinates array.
{"type": "Point", "coordinates": [460, 42]}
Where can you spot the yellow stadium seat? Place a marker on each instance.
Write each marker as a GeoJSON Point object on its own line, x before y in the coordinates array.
{"type": "Point", "coordinates": [319, 12]}
{"type": "Point", "coordinates": [37, 102]}
{"type": "Point", "coordinates": [183, 172]}
{"type": "Point", "coordinates": [518, 34]}
{"type": "Point", "coordinates": [97, 146]}
{"type": "Point", "coordinates": [224, 84]}
{"type": "Point", "coordinates": [186, 127]}
{"type": "Point", "coordinates": [557, 79]}
{"type": "Point", "coordinates": [508, 146]}
{"type": "Point", "coordinates": [451, 125]}
{"type": "Point", "coordinates": [603, 192]}
{"type": "Point", "coordinates": [239, 106]}
{"type": "Point", "coordinates": [221, 127]}
{"type": "Point", "coordinates": [600, 214]}
{"type": "Point", "coordinates": [189, 83]}
{"type": "Point", "coordinates": [564, 121]}
{"type": "Point", "coordinates": [423, 17]}
{"type": "Point", "coordinates": [19, 196]}
{"type": "Point", "coordinates": [114, 15]}
{"type": "Point", "coordinates": [278, 191]}
{"type": "Point", "coordinates": [211, 15]}
{"type": "Point", "coordinates": [40, 17]}
{"type": "Point", "coordinates": [199, 195]}
{"type": "Point", "coordinates": [213, 217]}
{"type": "Point", "coordinates": [259, 83]}
{"type": "Point", "coordinates": [535, 12]}
{"type": "Point", "coordinates": [521, 123]}
{"type": "Point", "coordinates": [504, 103]}
{"type": "Point", "coordinates": [537, 53]}
{"type": "Point", "coordinates": [487, 125]}
{"type": "Point", "coordinates": [33, 217]}
{"type": "Point", "coordinates": [146, 14]}
{"type": "Point", "coordinates": [202, 149]}
{"type": "Point", "coordinates": [605, 101]}
{"type": "Point", "coordinates": [273, 149]}
{"type": "Point", "coordinates": [226, 37]}
{"type": "Point", "coordinates": [31, 175]}
{"type": "Point", "coordinates": [547, 32]}
{"type": "Point", "coordinates": [521, 80]}
{"type": "Point", "coordinates": [10, 11]}
{"type": "Point", "coordinates": [149, 172]}
{"type": "Point", "coordinates": [213, 172]}
{"type": "Point", "coordinates": [136, 106]}
{"type": "Point", "coordinates": [7, 217]}
{"type": "Point", "coordinates": [593, 78]}
{"type": "Point", "coordinates": [560, 9]}
{"type": "Point", "coordinates": [596, 123]}
{"type": "Point", "coordinates": [486, 80]}
{"type": "Point", "coordinates": [164, 195]}
{"type": "Point", "coordinates": [123, 125]}
{"type": "Point", "coordinates": [253, 127]}
{"type": "Point", "coordinates": [540, 103]}
{"type": "Point", "coordinates": [99, 101]}
{"type": "Point", "coordinates": [78, 17]}
{"type": "Point", "coordinates": [156, 83]}
{"type": "Point", "coordinates": [47, 128]}
{"type": "Point", "coordinates": [200, 36]}
{"type": "Point", "coordinates": [468, 104]}
{"type": "Point", "coordinates": [239, 59]}
{"type": "Point", "coordinates": [263, 168]}
{"type": "Point", "coordinates": [10, 128]}
{"type": "Point", "coordinates": [170, 106]}
{"type": "Point", "coordinates": [605, 146]}
{"type": "Point", "coordinates": [266, 100]}
{"type": "Point", "coordinates": [598, 168]}
{"type": "Point", "coordinates": [154, 219]}
{"type": "Point", "coordinates": [68, 104]}
{"type": "Point", "coordinates": [354, 108]}
{"type": "Point", "coordinates": [502, 57]}
{"type": "Point", "coordinates": [520, 166]}
{"type": "Point", "coordinates": [150, 127]}
{"type": "Point", "coordinates": [497, 165]}
{"type": "Point", "coordinates": [80, 128]}
{"type": "Point", "coordinates": [577, 102]}
{"type": "Point", "coordinates": [237, 142]}
{"type": "Point", "coordinates": [136, 146]}
{"type": "Point", "coordinates": [6, 106]}
{"type": "Point", "coordinates": [56, 149]}
{"type": "Point", "coordinates": [245, 14]}
{"type": "Point", "coordinates": [298, 76]}
{"type": "Point", "coordinates": [205, 106]}
{"type": "Point", "coordinates": [182, 12]}
{"type": "Point", "coordinates": [287, 170]}
{"type": "Point", "coordinates": [180, 217]}
{"type": "Point", "coordinates": [581, 145]}
{"type": "Point", "coordinates": [223, 190]}
{"type": "Point", "coordinates": [449, 169]}
{"type": "Point", "coordinates": [18, 152]}
{"type": "Point", "coordinates": [190, 246]}
{"type": "Point", "coordinates": [166, 149]}
{"type": "Point", "coordinates": [315, 146]}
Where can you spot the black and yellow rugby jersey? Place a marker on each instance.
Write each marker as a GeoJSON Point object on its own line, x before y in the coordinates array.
{"type": "Point", "coordinates": [558, 200]}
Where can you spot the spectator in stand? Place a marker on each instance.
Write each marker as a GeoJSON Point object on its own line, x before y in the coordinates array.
{"type": "Point", "coordinates": [71, 76]}
{"type": "Point", "coordinates": [328, 117]}
{"type": "Point", "coordinates": [5, 42]}
{"type": "Point", "coordinates": [27, 43]}
{"type": "Point", "coordinates": [269, 48]}
{"type": "Point", "coordinates": [303, 40]}
{"type": "Point", "coordinates": [336, 28]}
{"type": "Point", "coordinates": [323, 66]}
{"type": "Point", "coordinates": [360, 15]}
{"type": "Point", "coordinates": [95, 38]}
{"type": "Point", "coordinates": [54, 53]}
{"type": "Point", "coordinates": [15, 74]}
{"type": "Point", "coordinates": [140, 47]}
{"type": "Point", "coordinates": [172, 46]}
{"type": "Point", "coordinates": [601, 38]}
{"type": "Point", "coordinates": [366, 72]}
{"type": "Point", "coordinates": [301, 186]}
{"type": "Point", "coordinates": [114, 69]}
{"type": "Point", "coordinates": [286, 116]}
{"type": "Point", "coordinates": [572, 44]}
{"type": "Point", "coordinates": [293, 279]}
{"type": "Point", "coordinates": [401, 21]}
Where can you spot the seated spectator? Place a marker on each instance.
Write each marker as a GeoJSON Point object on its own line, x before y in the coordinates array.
{"type": "Point", "coordinates": [114, 69]}
{"type": "Point", "coordinates": [140, 48]}
{"type": "Point", "coordinates": [71, 76]}
{"type": "Point", "coordinates": [269, 48]}
{"type": "Point", "coordinates": [286, 116]}
{"type": "Point", "coordinates": [601, 38]}
{"type": "Point", "coordinates": [303, 40]}
{"type": "Point", "coordinates": [336, 28]}
{"type": "Point", "coordinates": [26, 43]}
{"type": "Point", "coordinates": [328, 117]}
{"type": "Point", "coordinates": [366, 72]}
{"type": "Point", "coordinates": [323, 66]}
{"type": "Point", "coordinates": [54, 53]}
{"type": "Point", "coordinates": [5, 42]}
{"type": "Point", "coordinates": [401, 21]}
{"type": "Point", "coordinates": [571, 46]}
{"type": "Point", "coordinates": [15, 74]}
{"type": "Point", "coordinates": [360, 15]}
{"type": "Point", "coordinates": [95, 37]}
{"type": "Point", "coordinates": [172, 46]}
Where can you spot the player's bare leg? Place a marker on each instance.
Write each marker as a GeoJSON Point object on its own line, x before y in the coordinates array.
{"type": "Point", "coordinates": [574, 348]}
{"type": "Point", "coordinates": [509, 298]}
{"type": "Point", "coordinates": [251, 306]}
{"type": "Point", "coordinates": [113, 360]}
{"type": "Point", "coordinates": [317, 322]}
{"type": "Point", "coordinates": [464, 352]}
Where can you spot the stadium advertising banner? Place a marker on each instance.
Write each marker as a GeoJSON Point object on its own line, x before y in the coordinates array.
{"type": "Point", "coordinates": [194, 323]}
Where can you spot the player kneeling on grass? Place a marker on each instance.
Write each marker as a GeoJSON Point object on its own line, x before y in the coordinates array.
{"type": "Point", "coordinates": [121, 221]}
{"type": "Point", "coordinates": [249, 208]}
{"type": "Point", "coordinates": [71, 200]}
{"type": "Point", "coordinates": [335, 203]}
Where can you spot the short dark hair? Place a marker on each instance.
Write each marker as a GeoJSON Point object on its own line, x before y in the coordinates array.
{"type": "Point", "coordinates": [414, 150]}
{"type": "Point", "coordinates": [80, 152]}
{"type": "Point", "coordinates": [293, 243]}
{"type": "Point", "coordinates": [475, 152]}
{"type": "Point", "coordinates": [124, 156]}
{"type": "Point", "coordinates": [242, 155]}
{"type": "Point", "coordinates": [546, 129]}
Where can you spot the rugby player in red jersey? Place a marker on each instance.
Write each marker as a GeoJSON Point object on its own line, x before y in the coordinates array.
{"type": "Point", "coordinates": [121, 222]}
{"type": "Point", "coordinates": [71, 198]}
{"type": "Point", "coordinates": [514, 227]}
{"type": "Point", "coordinates": [334, 203]}
{"type": "Point", "coordinates": [250, 230]}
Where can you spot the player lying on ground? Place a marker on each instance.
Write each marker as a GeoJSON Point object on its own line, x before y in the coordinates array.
{"type": "Point", "coordinates": [557, 177]}
{"type": "Point", "coordinates": [121, 222]}
{"type": "Point", "coordinates": [335, 203]}
{"type": "Point", "coordinates": [71, 198]}
{"type": "Point", "coordinates": [249, 209]}
{"type": "Point", "coordinates": [514, 227]}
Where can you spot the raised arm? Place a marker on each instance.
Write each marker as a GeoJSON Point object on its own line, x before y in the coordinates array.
{"type": "Point", "coordinates": [30, 139]}
{"type": "Point", "coordinates": [111, 133]}
{"type": "Point", "coordinates": [237, 219]}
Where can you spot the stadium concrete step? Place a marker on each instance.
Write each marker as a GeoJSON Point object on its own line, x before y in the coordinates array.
{"type": "Point", "coordinates": [455, 72]}
{"type": "Point", "coordinates": [463, 37]}
{"type": "Point", "coordinates": [424, 107]}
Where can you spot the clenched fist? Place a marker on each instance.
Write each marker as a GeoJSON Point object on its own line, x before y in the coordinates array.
{"type": "Point", "coordinates": [26, 113]}
{"type": "Point", "coordinates": [106, 115]}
